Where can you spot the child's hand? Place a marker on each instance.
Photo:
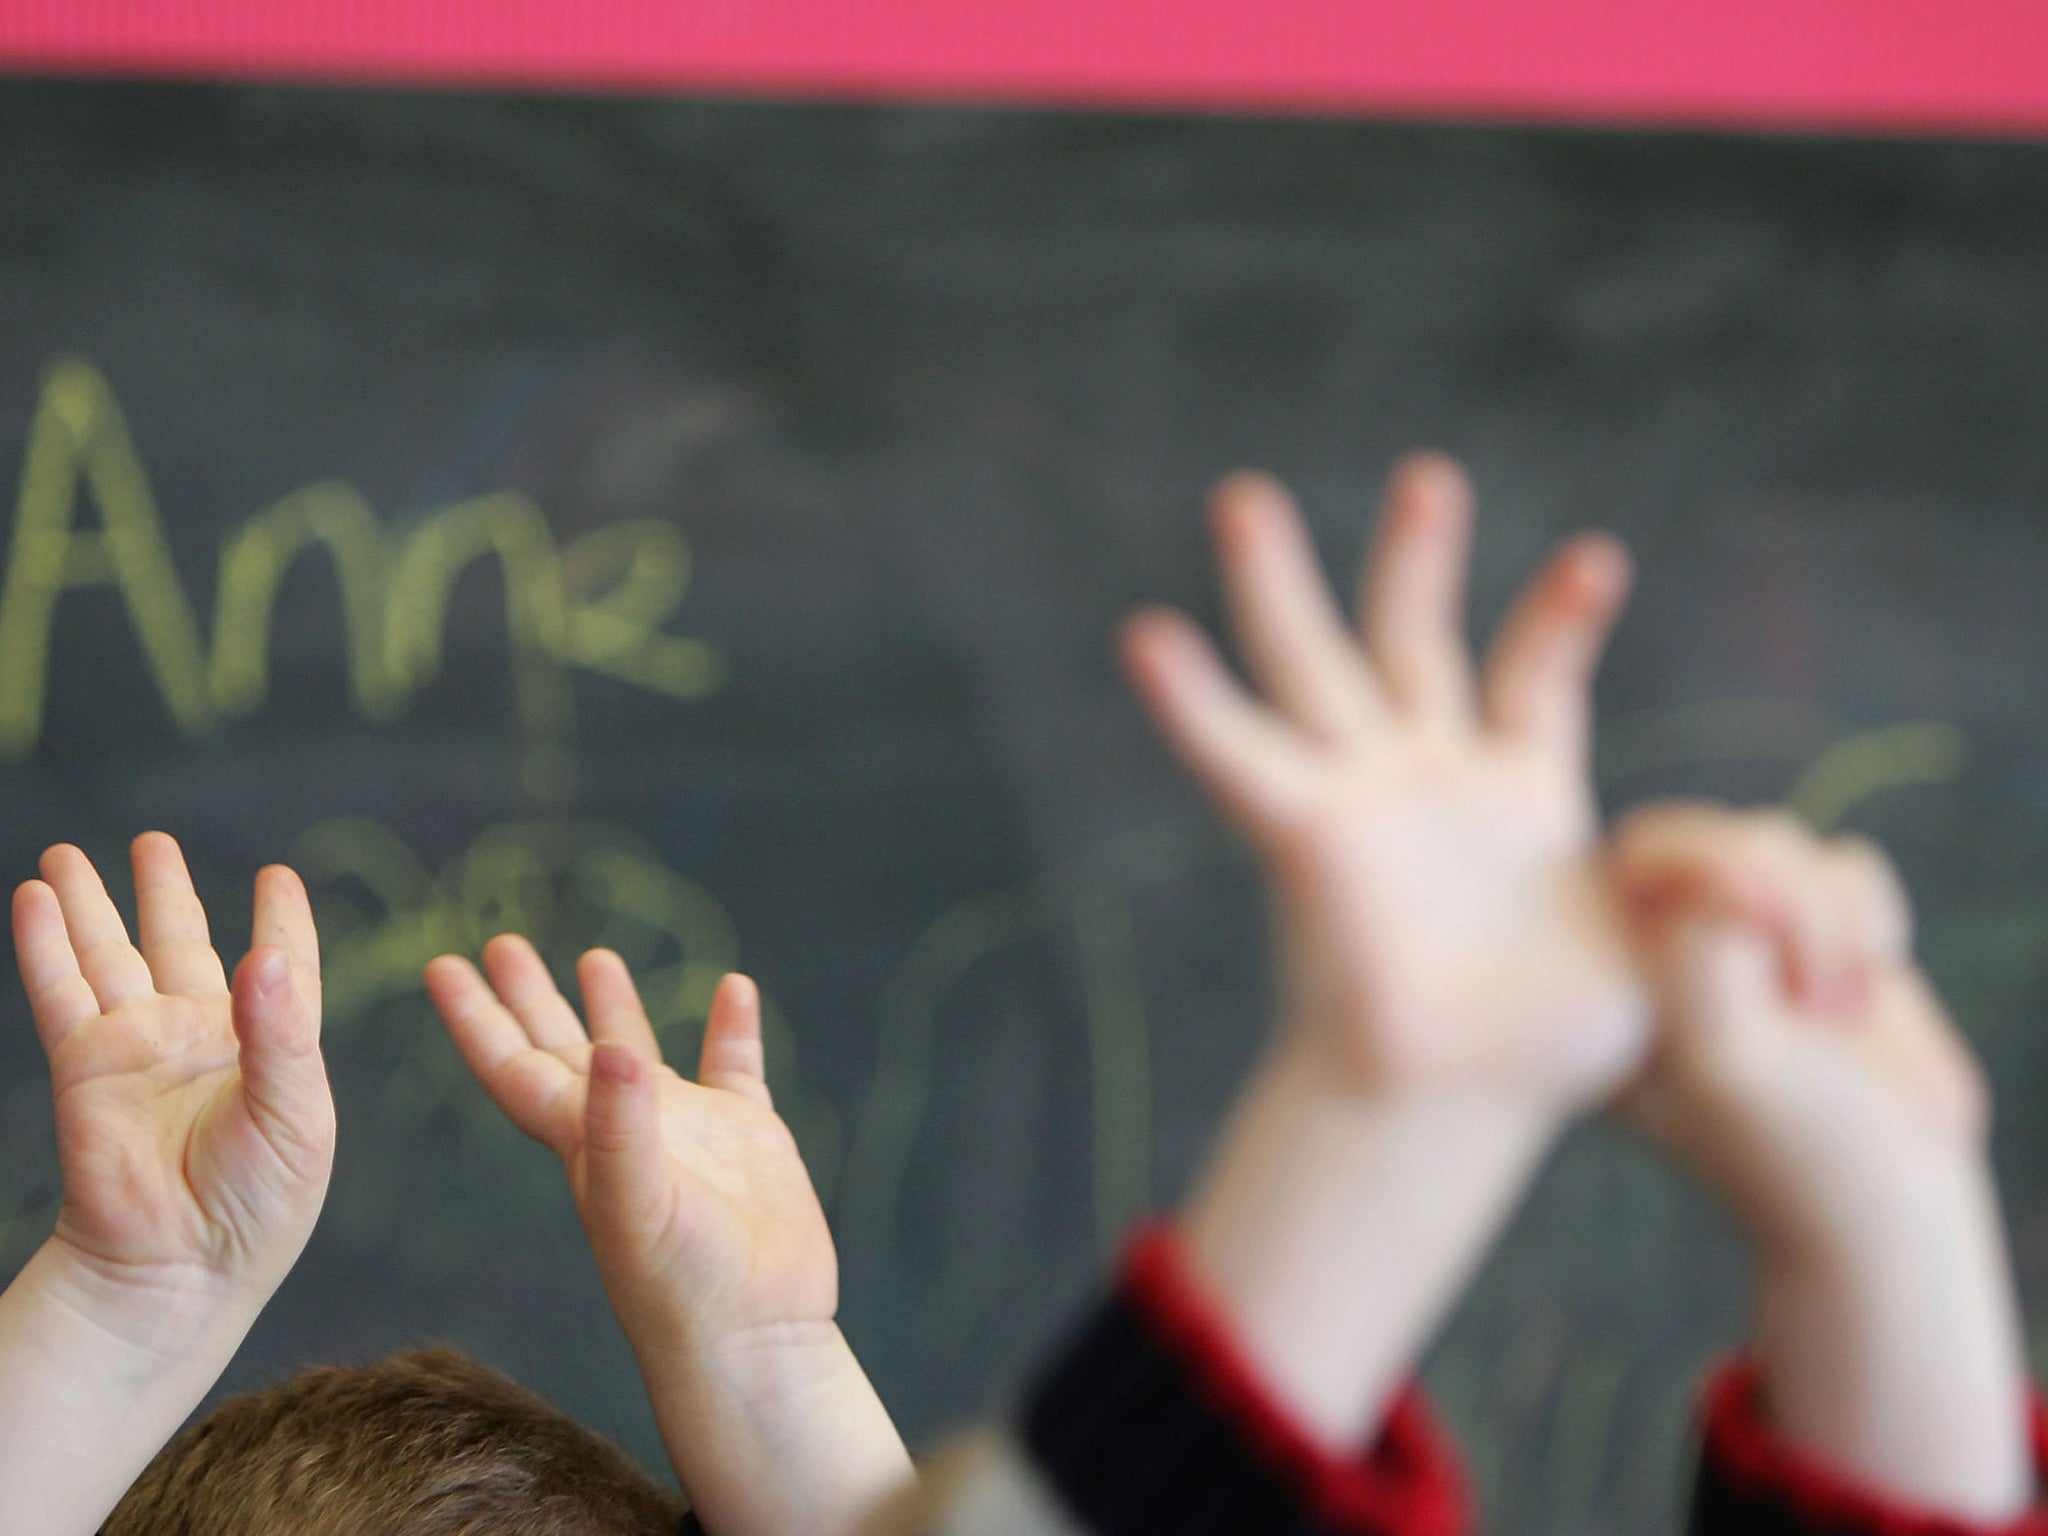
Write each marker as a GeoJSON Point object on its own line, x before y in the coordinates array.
{"type": "Point", "coordinates": [1805, 1066]}
{"type": "Point", "coordinates": [195, 1129]}
{"type": "Point", "coordinates": [195, 1133]}
{"type": "Point", "coordinates": [1455, 980]}
{"type": "Point", "coordinates": [1807, 1073]}
{"type": "Point", "coordinates": [694, 1196]}
{"type": "Point", "coordinates": [1429, 833]}
{"type": "Point", "coordinates": [706, 1230]}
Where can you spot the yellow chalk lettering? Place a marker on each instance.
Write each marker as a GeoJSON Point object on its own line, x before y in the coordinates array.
{"type": "Point", "coordinates": [622, 583]}
{"type": "Point", "coordinates": [445, 544]}
{"type": "Point", "coordinates": [79, 434]}
{"type": "Point", "coordinates": [599, 604]}
{"type": "Point", "coordinates": [253, 565]}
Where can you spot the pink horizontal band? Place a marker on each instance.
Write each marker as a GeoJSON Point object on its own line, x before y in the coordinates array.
{"type": "Point", "coordinates": [1966, 66]}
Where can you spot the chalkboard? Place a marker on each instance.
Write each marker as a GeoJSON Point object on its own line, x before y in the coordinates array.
{"type": "Point", "coordinates": [700, 526]}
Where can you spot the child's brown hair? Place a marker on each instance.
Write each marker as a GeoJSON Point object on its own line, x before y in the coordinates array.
{"type": "Point", "coordinates": [423, 1443]}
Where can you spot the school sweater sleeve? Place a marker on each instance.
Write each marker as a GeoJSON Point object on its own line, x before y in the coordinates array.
{"type": "Point", "coordinates": [1752, 1483]}
{"type": "Point", "coordinates": [1150, 1419]}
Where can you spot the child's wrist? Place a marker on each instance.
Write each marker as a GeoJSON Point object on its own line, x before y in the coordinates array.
{"type": "Point", "coordinates": [1333, 1229]}
{"type": "Point", "coordinates": [1890, 1344]}
{"type": "Point", "coordinates": [761, 1362]}
{"type": "Point", "coordinates": [1867, 1213]}
{"type": "Point", "coordinates": [774, 1427]}
{"type": "Point", "coordinates": [167, 1312]}
{"type": "Point", "coordinates": [1310, 1052]}
{"type": "Point", "coordinates": [98, 1374]}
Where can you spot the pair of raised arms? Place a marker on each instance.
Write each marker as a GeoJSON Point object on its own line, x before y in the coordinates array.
{"type": "Point", "coordinates": [1466, 965]}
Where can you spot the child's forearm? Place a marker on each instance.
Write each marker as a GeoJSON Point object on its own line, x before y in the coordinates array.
{"type": "Point", "coordinates": [776, 1431]}
{"type": "Point", "coordinates": [94, 1380]}
{"type": "Point", "coordinates": [1891, 1345]}
{"type": "Point", "coordinates": [1334, 1232]}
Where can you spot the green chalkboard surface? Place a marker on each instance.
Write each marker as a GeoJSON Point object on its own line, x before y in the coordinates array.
{"type": "Point", "coordinates": [699, 528]}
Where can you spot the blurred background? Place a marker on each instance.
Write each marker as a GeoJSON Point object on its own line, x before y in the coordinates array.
{"type": "Point", "coordinates": [683, 501]}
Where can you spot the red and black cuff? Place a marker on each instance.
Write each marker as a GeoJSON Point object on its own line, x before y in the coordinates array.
{"type": "Point", "coordinates": [1152, 1420]}
{"type": "Point", "coordinates": [1752, 1483]}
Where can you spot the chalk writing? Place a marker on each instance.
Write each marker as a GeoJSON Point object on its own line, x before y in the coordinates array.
{"type": "Point", "coordinates": [567, 885]}
{"type": "Point", "coordinates": [599, 603]}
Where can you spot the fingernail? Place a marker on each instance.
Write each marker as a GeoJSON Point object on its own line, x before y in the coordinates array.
{"type": "Point", "coordinates": [614, 1062]}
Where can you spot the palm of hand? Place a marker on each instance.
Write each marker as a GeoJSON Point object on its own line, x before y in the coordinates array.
{"type": "Point", "coordinates": [742, 1220]}
{"type": "Point", "coordinates": [158, 1150]}
{"type": "Point", "coordinates": [725, 1225]}
{"type": "Point", "coordinates": [194, 1126]}
{"type": "Point", "coordinates": [1444, 898]}
{"type": "Point", "coordinates": [1429, 832]}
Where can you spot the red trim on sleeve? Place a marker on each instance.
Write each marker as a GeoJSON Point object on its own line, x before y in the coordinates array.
{"type": "Point", "coordinates": [1409, 1483]}
{"type": "Point", "coordinates": [1748, 1457]}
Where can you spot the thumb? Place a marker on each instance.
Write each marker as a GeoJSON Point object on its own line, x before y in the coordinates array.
{"type": "Point", "coordinates": [284, 1079]}
{"type": "Point", "coordinates": [622, 1153]}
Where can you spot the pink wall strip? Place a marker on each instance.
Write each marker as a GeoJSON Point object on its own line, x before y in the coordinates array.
{"type": "Point", "coordinates": [1963, 66]}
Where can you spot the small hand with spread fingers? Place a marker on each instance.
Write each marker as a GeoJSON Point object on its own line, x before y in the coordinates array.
{"type": "Point", "coordinates": [1428, 827]}
{"type": "Point", "coordinates": [1456, 982]}
{"type": "Point", "coordinates": [707, 1232]}
{"type": "Point", "coordinates": [1808, 1074]}
{"type": "Point", "coordinates": [195, 1138]}
{"type": "Point", "coordinates": [693, 1193]}
{"type": "Point", "coordinates": [195, 1129]}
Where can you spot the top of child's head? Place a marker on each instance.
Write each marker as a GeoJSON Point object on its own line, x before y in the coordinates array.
{"type": "Point", "coordinates": [427, 1442]}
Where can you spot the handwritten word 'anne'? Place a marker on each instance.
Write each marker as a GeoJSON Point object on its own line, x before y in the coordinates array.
{"type": "Point", "coordinates": [598, 603]}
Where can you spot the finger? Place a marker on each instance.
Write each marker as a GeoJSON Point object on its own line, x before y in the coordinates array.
{"type": "Point", "coordinates": [1812, 928]}
{"type": "Point", "coordinates": [536, 1090]}
{"type": "Point", "coordinates": [1539, 675]}
{"type": "Point", "coordinates": [527, 986]}
{"type": "Point", "coordinates": [284, 1080]}
{"type": "Point", "coordinates": [1248, 761]}
{"type": "Point", "coordinates": [625, 1172]}
{"type": "Point", "coordinates": [613, 1003]}
{"type": "Point", "coordinates": [1759, 869]}
{"type": "Point", "coordinates": [284, 921]}
{"type": "Point", "coordinates": [112, 967]}
{"type": "Point", "coordinates": [732, 1057]}
{"type": "Point", "coordinates": [1412, 595]}
{"type": "Point", "coordinates": [1293, 641]}
{"type": "Point", "coordinates": [1719, 974]}
{"type": "Point", "coordinates": [1883, 912]}
{"type": "Point", "coordinates": [58, 995]}
{"type": "Point", "coordinates": [1671, 857]}
{"type": "Point", "coordinates": [172, 921]}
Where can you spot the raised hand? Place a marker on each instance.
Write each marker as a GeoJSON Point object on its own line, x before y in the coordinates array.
{"type": "Point", "coordinates": [195, 1134]}
{"type": "Point", "coordinates": [1808, 1074]}
{"type": "Point", "coordinates": [1799, 1032]}
{"type": "Point", "coordinates": [693, 1193]}
{"type": "Point", "coordinates": [1428, 828]}
{"type": "Point", "coordinates": [706, 1230]}
{"type": "Point", "coordinates": [195, 1129]}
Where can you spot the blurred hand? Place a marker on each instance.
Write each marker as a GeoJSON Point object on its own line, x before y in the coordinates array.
{"type": "Point", "coordinates": [1807, 1073]}
{"type": "Point", "coordinates": [1805, 1064]}
{"type": "Point", "coordinates": [1428, 829]}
